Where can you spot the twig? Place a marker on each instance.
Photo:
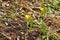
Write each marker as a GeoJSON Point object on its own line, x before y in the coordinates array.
{"type": "Point", "coordinates": [6, 36]}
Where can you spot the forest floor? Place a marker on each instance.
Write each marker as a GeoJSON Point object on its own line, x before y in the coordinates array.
{"type": "Point", "coordinates": [29, 19]}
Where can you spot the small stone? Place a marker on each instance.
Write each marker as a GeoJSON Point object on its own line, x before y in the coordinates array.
{"type": "Point", "coordinates": [6, 23]}
{"type": "Point", "coordinates": [7, 5]}
{"type": "Point", "coordinates": [22, 32]}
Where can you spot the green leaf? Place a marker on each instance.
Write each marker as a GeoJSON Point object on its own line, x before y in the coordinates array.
{"type": "Point", "coordinates": [31, 22]}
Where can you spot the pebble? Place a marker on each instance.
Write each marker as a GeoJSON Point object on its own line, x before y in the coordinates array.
{"type": "Point", "coordinates": [6, 23]}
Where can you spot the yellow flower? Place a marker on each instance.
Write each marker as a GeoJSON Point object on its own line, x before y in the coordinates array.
{"type": "Point", "coordinates": [27, 16]}
{"type": "Point", "coordinates": [42, 9]}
